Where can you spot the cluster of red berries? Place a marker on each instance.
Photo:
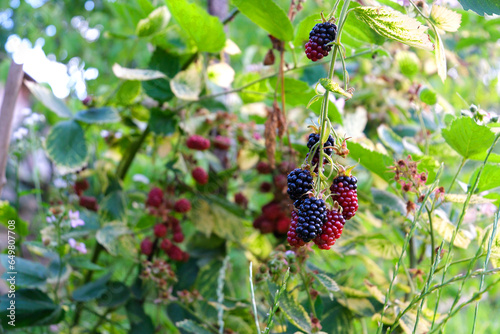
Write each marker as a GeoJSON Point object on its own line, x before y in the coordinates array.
{"type": "Point", "coordinates": [169, 231]}
{"type": "Point", "coordinates": [274, 217]}
{"type": "Point", "coordinates": [88, 202]}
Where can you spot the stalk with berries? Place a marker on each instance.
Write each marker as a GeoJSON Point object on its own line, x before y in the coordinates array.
{"type": "Point", "coordinates": [322, 206]}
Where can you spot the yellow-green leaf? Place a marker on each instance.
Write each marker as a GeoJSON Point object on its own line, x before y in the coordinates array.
{"type": "Point", "coordinates": [334, 87]}
{"type": "Point", "coordinates": [460, 198]}
{"type": "Point", "coordinates": [394, 25]}
{"type": "Point", "coordinates": [446, 229]}
{"type": "Point", "coordinates": [445, 19]}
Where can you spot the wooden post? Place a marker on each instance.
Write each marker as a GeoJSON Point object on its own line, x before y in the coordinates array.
{"type": "Point", "coordinates": [12, 88]}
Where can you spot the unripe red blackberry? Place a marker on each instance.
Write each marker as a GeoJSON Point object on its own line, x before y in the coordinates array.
{"type": "Point", "coordinates": [160, 230]}
{"type": "Point", "coordinates": [222, 143]}
{"type": "Point", "coordinates": [155, 197]}
{"type": "Point", "coordinates": [344, 191]}
{"type": "Point", "coordinates": [320, 36]}
{"type": "Point", "coordinates": [165, 245]}
{"type": "Point", "coordinates": [197, 142]}
{"type": "Point", "coordinates": [332, 230]}
{"type": "Point", "coordinates": [263, 167]}
{"type": "Point", "coordinates": [265, 187]}
{"type": "Point", "coordinates": [300, 181]}
{"type": "Point", "coordinates": [292, 237]}
{"type": "Point", "coordinates": [178, 237]}
{"type": "Point", "coordinates": [175, 253]}
{"type": "Point", "coordinates": [282, 225]}
{"type": "Point", "coordinates": [183, 205]}
{"type": "Point", "coordinates": [271, 210]}
{"type": "Point", "coordinates": [241, 199]}
{"type": "Point", "coordinates": [312, 216]}
{"type": "Point", "coordinates": [146, 246]}
{"type": "Point", "coordinates": [89, 203]}
{"type": "Point", "coordinates": [263, 224]}
{"type": "Point", "coordinates": [200, 175]}
{"type": "Point", "coordinates": [280, 181]}
{"type": "Point", "coordinates": [80, 186]}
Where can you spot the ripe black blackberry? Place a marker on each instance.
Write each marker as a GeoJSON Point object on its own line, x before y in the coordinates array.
{"type": "Point", "coordinates": [313, 139]}
{"type": "Point", "coordinates": [300, 181]}
{"type": "Point", "coordinates": [344, 191]}
{"type": "Point", "coordinates": [320, 36]}
{"type": "Point", "coordinates": [312, 216]}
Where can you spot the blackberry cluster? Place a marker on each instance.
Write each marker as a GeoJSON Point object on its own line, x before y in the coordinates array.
{"type": "Point", "coordinates": [328, 150]}
{"type": "Point", "coordinates": [320, 36]}
{"type": "Point", "coordinates": [332, 230]}
{"type": "Point", "coordinates": [300, 181]}
{"type": "Point", "coordinates": [312, 216]}
{"type": "Point", "coordinates": [344, 190]}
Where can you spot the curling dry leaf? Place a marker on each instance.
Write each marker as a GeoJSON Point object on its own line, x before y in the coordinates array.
{"type": "Point", "coordinates": [394, 25]}
{"type": "Point", "coordinates": [280, 115]}
{"type": "Point", "coordinates": [445, 19]}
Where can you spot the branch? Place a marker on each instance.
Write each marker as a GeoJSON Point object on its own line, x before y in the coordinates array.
{"type": "Point", "coordinates": [12, 88]}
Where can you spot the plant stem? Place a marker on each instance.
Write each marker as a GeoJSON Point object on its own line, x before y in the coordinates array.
{"type": "Point", "coordinates": [471, 191]}
{"type": "Point", "coordinates": [254, 304]}
{"type": "Point", "coordinates": [456, 175]}
{"type": "Point", "coordinates": [308, 292]}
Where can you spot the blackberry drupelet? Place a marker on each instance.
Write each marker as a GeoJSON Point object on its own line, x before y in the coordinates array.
{"type": "Point", "coordinates": [300, 181]}
{"type": "Point", "coordinates": [332, 230]}
{"type": "Point", "coordinates": [312, 216]}
{"type": "Point", "coordinates": [320, 36]}
{"type": "Point", "coordinates": [344, 191]}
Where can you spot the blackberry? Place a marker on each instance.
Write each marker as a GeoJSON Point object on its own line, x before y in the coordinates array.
{"type": "Point", "coordinates": [196, 142]}
{"type": "Point", "coordinates": [332, 230]}
{"type": "Point", "coordinates": [344, 192]}
{"type": "Point", "coordinates": [292, 236]}
{"type": "Point", "coordinates": [314, 138]}
{"type": "Point", "coordinates": [312, 216]}
{"type": "Point", "coordinates": [320, 36]}
{"type": "Point", "coordinates": [200, 175]}
{"type": "Point", "coordinates": [300, 181]}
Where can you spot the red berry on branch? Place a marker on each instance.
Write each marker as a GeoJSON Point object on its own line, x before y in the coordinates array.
{"type": "Point", "coordinates": [263, 167]}
{"type": "Point", "coordinates": [146, 246]}
{"type": "Point", "coordinates": [89, 203]}
{"type": "Point", "coordinates": [155, 197]}
{"type": "Point", "coordinates": [332, 230]}
{"type": "Point", "coordinates": [344, 191]}
{"type": "Point", "coordinates": [222, 143]}
{"type": "Point", "coordinates": [240, 199]}
{"type": "Point", "coordinates": [292, 237]}
{"type": "Point", "coordinates": [160, 230]}
{"type": "Point", "coordinates": [200, 175]}
{"type": "Point", "coordinates": [165, 245]}
{"type": "Point", "coordinates": [80, 186]}
{"type": "Point", "coordinates": [183, 205]}
{"type": "Point", "coordinates": [178, 237]}
{"type": "Point", "coordinates": [175, 253]}
{"type": "Point", "coordinates": [197, 142]}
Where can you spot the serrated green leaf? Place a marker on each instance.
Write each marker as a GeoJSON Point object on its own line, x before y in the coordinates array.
{"type": "Point", "coordinates": [467, 137]}
{"type": "Point", "coordinates": [109, 236]}
{"type": "Point", "coordinates": [267, 15]}
{"type": "Point", "coordinates": [98, 115]}
{"type": "Point", "coordinates": [156, 22]}
{"type": "Point", "coordinates": [461, 198]}
{"type": "Point", "coordinates": [380, 246]}
{"type": "Point", "coordinates": [445, 19]}
{"type": "Point", "coordinates": [66, 145]}
{"type": "Point", "coordinates": [490, 177]}
{"type": "Point", "coordinates": [128, 92]}
{"type": "Point", "coordinates": [330, 285]}
{"type": "Point", "coordinates": [116, 294]}
{"type": "Point", "coordinates": [389, 200]}
{"type": "Point", "coordinates": [136, 74]}
{"type": "Point", "coordinates": [408, 321]}
{"type": "Point", "coordinates": [375, 162]}
{"type": "Point", "coordinates": [48, 99]}
{"type": "Point", "coordinates": [446, 229]}
{"type": "Point", "coordinates": [163, 123]}
{"type": "Point", "coordinates": [482, 7]}
{"type": "Point", "coordinates": [375, 292]}
{"type": "Point", "coordinates": [92, 290]}
{"type": "Point", "coordinates": [303, 29]}
{"type": "Point", "coordinates": [29, 273]}
{"type": "Point", "coordinates": [295, 313]}
{"type": "Point", "coordinates": [206, 31]}
{"type": "Point", "coordinates": [394, 25]}
{"type": "Point", "coordinates": [390, 139]}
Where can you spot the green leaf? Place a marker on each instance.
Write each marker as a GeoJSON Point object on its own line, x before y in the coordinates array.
{"type": "Point", "coordinates": [445, 19]}
{"type": "Point", "coordinates": [140, 322]}
{"type": "Point", "coordinates": [113, 206]}
{"type": "Point", "coordinates": [440, 57]}
{"type": "Point", "coordinates": [109, 237]}
{"type": "Point", "coordinates": [446, 229]}
{"type": "Point", "coordinates": [482, 7]}
{"type": "Point", "coordinates": [116, 294]}
{"type": "Point", "coordinates": [408, 321]}
{"type": "Point", "coordinates": [136, 74]}
{"type": "Point", "coordinates": [490, 177]}
{"type": "Point", "coordinates": [389, 200]}
{"type": "Point", "coordinates": [467, 137]}
{"type": "Point", "coordinates": [33, 308]}
{"type": "Point", "coordinates": [375, 162]}
{"type": "Point", "coordinates": [186, 85]}
{"type": "Point", "coordinates": [428, 96]}
{"type": "Point", "coordinates": [98, 115]}
{"type": "Point", "coordinates": [168, 64]}
{"type": "Point", "coordinates": [8, 213]}
{"type": "Point", "coordinates": [295, 313]}
{"type": "Point", "coordinates": [48, 99]}
{"type": "Point", "coordinates": [66, 145]}
{"type": "Point", "coordinates": [267, 15]}
{"type": "Point", "coordinates": [330, 285]}
{"type": "Point", "coordinates": [303, 29]}
{"type": "Point", "coordinates": [83, 263]}
{"type": "Point", "coordinates": [378, 245]}
{"type": "Point", "coordinates": [206, 31]}
{"type": "Point", "coordinates": [156, 22]}
{"type": "Point", "coordinates": [259, 87]}
{"type": "Point", "coordinates": [390, 139]}
{"type": "Point", "coordinates": [28, 273]}
{"type": "Point", "coordinates": [146, 221]}
{"type": "Point", "coordinates": [360, 31]}
{"type": "Point", "coordinates": [334, 87]}
{"type": "Point", "coordinates": [128, 92]}
{"type": "Point", "coordinates": [92, 290]}
{"type": "Point", "coordinates": [394, 25]}
{"type": "Point", "coordinates": [408, 62]}
{"type": "Point", "coordinates": [163, 122]}
{"type": "Point", "coordinates": [191, 327]}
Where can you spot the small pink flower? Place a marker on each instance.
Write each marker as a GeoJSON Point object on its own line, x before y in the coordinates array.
{"type": "Point", "coordinates": [74, 219]}
{"type": "Point", "coordinates": [79, 246]}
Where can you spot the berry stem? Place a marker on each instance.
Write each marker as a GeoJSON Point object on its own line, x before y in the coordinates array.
{"type": "Point", "coordinates": [326, 97]}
